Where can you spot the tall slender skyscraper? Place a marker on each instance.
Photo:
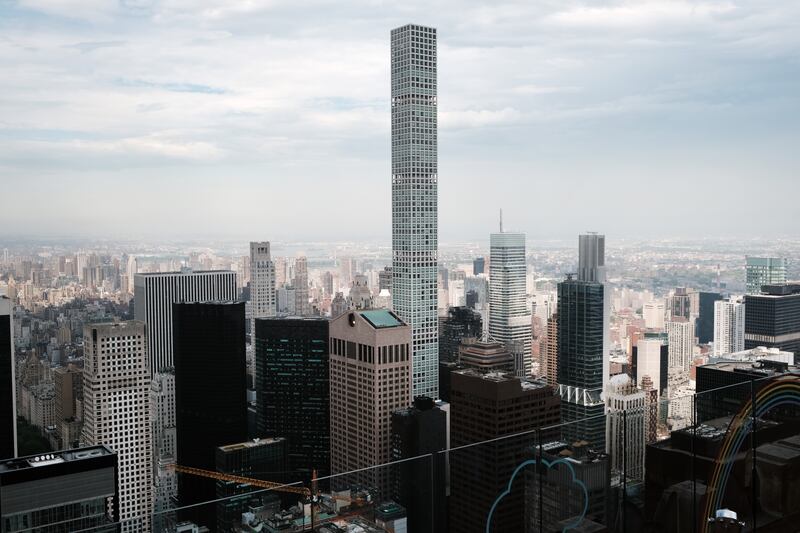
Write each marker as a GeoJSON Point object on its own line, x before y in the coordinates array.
{"type": "Point", "coordinates": [262, 283]}
{"type": "Point", "coordinates": [592, 257]}
{"type": "Point", "coordinates": [301, 306]}
{"type": "Point", "coordinates": [415, 177]}
{"type": "Point", "coordinates": [728, 326]}
{"type": "Point", "coordinates": [509, 319]}
{"type": "Point", "coordinates": [8, 395]}
{"type": "Point", "coordinates": [116, 412]}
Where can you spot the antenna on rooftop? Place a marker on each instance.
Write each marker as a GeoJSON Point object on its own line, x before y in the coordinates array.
{"type": "Point", "coordinates": [501, 220]}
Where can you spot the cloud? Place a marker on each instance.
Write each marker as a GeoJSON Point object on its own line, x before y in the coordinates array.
{"type": "Point", "coordinates": [548, 464]}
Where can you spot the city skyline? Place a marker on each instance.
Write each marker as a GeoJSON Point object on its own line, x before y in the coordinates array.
{"type": "Point", "coordinates": [521, 98]}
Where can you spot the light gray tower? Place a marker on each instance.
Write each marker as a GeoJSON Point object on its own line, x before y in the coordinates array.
{"type": "Point", "coordinates": [415, 198]}
{"type": "Point", "coordinates": [592, 257]}
{"type": "Point", "coordinates": [509, 319]}
{"type": "Point", "coordinates": [262, 283]}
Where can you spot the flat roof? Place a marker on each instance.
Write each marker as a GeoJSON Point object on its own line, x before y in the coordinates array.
{"type": "Point", "coordinates": [254, 443]}
{"type": "Point", "coordinates": [382, 318]}
{"type": "Point", "coordinates": [52, 458]}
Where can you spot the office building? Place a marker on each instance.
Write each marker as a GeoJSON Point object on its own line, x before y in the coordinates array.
{"type": "Point", "coordinates": [680, 335]}
{"type": "Point", "coordinates": [760, 271]}
{"type": "Point", "coordinates": [301, 307]}
{"type": "Point", "coordinates": [162, 403]}
{"type": "Point", "coordinates": [592, 257]}
{"type": "Point", "coordinates": [729, 323]}
{"type": "Point", "coordinates": [626, 426]}
{"type": "Point", "coordinates": [210, 394]}
{"type": "Point", "coordinates": [487, 356]}
{"type": "Point", "coordinates": [549, 350]}
{"type": "Point", "coordinates": [415, 178]}
{"type": "Point", "coordinates": [773, 318]}
{"type": "Point", "coordinates": [8, 386]}
{"type": "Point", "coordinates": [653, 314]}
{"type": "Point", "coordinates": [581, 360]}
{"type": "Point", "coordinates": [416, 431]}
{"type": "Point", "coordinates": [509, 318]}
{"type": "Point", "coordinates": [116, 412]}
{"type": "Point", "coordinates": [459, 324]}
{"type": "Point", "coordinates": [560, 499]}
{"type": "Point", "coordinates": [73, 490]}
{"type": "Point", "coordinates": [704, 326]}
{"type": "Point", "coordinates": [263, 459]}
{"type": "Point", "coordinates": [154, 294]}
{"type": "Point", "coordinates": [262, 282]}
{"type": "Point", "coordinates": [68, 388]}
{"type": "Point", "coordinates": [370, 378]}
{"type": "Point", "coordinates": [293, 391]}
{"type": "Point", "coordinates": [385, 279]}
{"type": "Point", "coordinates": [485, 407]}
{"type": "Point", "coordinates": [360, 296]}
{"type": "Point", "coordinates": [478, 266]}
{"type": "Point", "coordinates": [650, 360]}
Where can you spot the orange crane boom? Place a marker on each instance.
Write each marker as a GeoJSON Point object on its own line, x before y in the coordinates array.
{"type": "Point", "coordinates": [241, 479]}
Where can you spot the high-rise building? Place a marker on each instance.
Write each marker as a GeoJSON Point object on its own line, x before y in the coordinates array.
{"type": "Point", "coordinates": [301, 306]}
{"type": "Point", "coordinates": [485, 407]}
{"type": "Point", "coordinates": [162, 403]}
{"type": "Point", "coordinates": [459, 324]}
{"type": "Point", "coordinates": [653, 314]}
{"type": "Point", "coordinates": [478, 266]}
{"type": "Point", "coordinates": [293, 391]}
{"type": "Point", "coordinates": [210, 394]}
{"type": "Point", "coordinates": [154, 294]}
{"type": "Point", "coordinates": [729, 321]}
{"type": "Point", "coordinates": [581, 360]}
{"type": "Point", "coordinates": [385, 279]}
{"type": "Point", "coordinates": [360, 296]}
{"type": "Point", "coordinates": [592, 257]}
{"type": "Point", "coordinates": [68, 384]}
{"type": "Point", "coordinates": [680, 334]}
{"type": "Point", "coordinates": [760, 271]}
{"type": "Point", "coordinates": [262, 282]}
{"type": "Point", "coordinates": [486, 356]}
{"type": "Point", "coordinates": [773, 318]}
{"type": "Point", "coordinates": [416, 431]}
{"type": "Point", "coordinates": [626, 426]}
{"type": "Point", "coordinates": [116, 412]}
{"type": "Point", "coordinates": [415, 177]}
{"type": "Point", "coordinates": [550, 351]}
{"type": "Point", "coordinates": [263, 459]}
{"type": "Point", "coordinates": [651, 362]}
{"type": "Point", "coordinates": [370, 378]}
{"type": "Point", "coordinates": [704, 326]}
{"type": "Point", "coordinates": [8, 392]}
{"type": "Point", "coordinates": [680, 303]}
{"type": "Point", "coordinates": [73, 490]}
{"type": "Point", "coordinates": [509, 318]}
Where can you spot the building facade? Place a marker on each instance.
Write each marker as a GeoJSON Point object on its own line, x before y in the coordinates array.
{"type": "Point", "coordinates": [8, 384]}
{"type": "Point", "coordinates": [415, 177]}
{"type": "Point", "coordinates": [293, 391]}
{"type": "Point", "coordinates": [509, 318]}
{"type": "Point", "coordinates": [760, 271]}
{"type": "Point", "coordinates": [116, 409]}
{"type": "Point", "coordinates": [459, 324]}
{"type": "Point", "coordinates": [773, 318]}
{"type": "Point", "coordinates": [370, 378]}
{"type": "Point", "coordinates": [627, 422]}
{"type": "Point", "coordinates": [704, 324]}
{"type": "Point", "coordinates": [210, 394]}
{"type": "Point", "coordinates": [262, 282]}
{"type": "Point", "coordinates": [729, 322]}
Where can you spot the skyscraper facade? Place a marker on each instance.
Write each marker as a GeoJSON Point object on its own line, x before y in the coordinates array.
{"type": "Point", "coordinates": [301, 305]}
{"type": "Point", "coordinates": [729, 321]}
{"type": "Point", "coordinates": [760, 271]}
{"type": "Point", "coordinates": [581, 354]}
{"type": "Point", "coordinates": [704, 325]}
{"type": "Point", "coordinates": [370, 378]}
{"type": "Point", "coordinates": [415, 178]}
{"type": "Point", "coordinates": [262, 282]}
{"type": "Point", "coordinates": [509, 318]}
{"type": "Point", "coordinates": [154, 294]}
{"type": "Point", "coordinates": [459, 324]}
{"type": "Point", "coordinates": [773, 318]}
{"type": "Point", "coordinates": [680, 334]}
{"type": "Point", "coordinates": [592, 257]}
{"type": "Point", "coordinates": [210, 394]}
{"type": "Point", "coordinates": [293, 391]}
{"type": "Point", "coordinates": [116, 412]}
{"type": "Point", "coordinates": [8, 394]}
{"type": "Point", "coordinates": [626, 426]}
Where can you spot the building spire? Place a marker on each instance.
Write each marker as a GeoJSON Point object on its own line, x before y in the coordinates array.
{"type": "Point", "coordinates": [501, 220]}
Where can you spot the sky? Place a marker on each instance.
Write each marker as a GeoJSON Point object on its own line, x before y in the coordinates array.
{"type": "Point", "coordinates": [270, 119]}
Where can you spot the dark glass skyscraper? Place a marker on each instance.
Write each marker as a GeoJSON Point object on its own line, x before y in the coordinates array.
{"type": "Point", "coordinates": [8, 397]}
{"type": "Point", "coordinates": [210, 394]}
{"type": "Point", "coordinates": [460, 323]}
{"type": "Point", "coordinates": [293, 390]}
{"type": "Point", "coordinates": [772, 318]}
{"type": "Point", "coordinates": [580, 360]}
{"type": "Point", "coordinates": [705, 320]}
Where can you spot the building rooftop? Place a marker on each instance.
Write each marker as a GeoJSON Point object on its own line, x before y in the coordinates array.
{"type": "Point", "coordinates": [381, 318]}
{"type": "Point", "coordinates": [254, 443]}
{"type": "Point", "coordinates": [182, 271]}
{"type": "Point", "coordinates": [52, 458]}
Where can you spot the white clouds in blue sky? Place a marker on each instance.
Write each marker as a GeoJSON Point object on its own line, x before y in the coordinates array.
{"type": "Point", "coordinates": [270, 119]}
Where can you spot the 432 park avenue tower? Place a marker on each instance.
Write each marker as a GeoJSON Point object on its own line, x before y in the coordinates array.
{"type": "Point", "coordinates": [415, 197]}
